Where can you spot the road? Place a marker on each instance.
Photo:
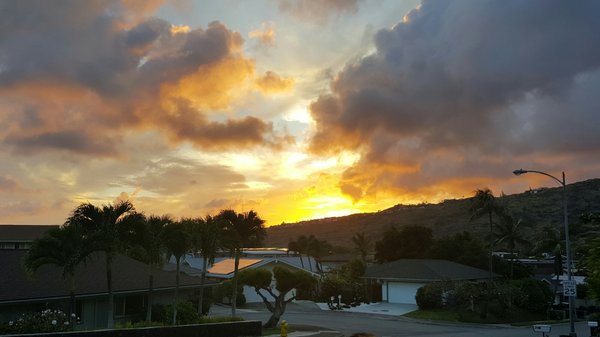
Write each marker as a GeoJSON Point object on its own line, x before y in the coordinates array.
{"type": "Point", "coordinates": [392, 326]}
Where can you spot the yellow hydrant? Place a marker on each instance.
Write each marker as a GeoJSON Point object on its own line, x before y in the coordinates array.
{"type": "Point", "coordinates": [284, 328]}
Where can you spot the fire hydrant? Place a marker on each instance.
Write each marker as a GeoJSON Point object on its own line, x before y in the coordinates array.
{"type": "Point", "coordinates": [284, 328]}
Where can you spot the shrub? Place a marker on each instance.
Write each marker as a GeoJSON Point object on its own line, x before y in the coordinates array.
{"type": "Point", "coordinates": [34, 322]}
{"type": "Point", "coordinates": [429, 296]}
{"type": "Point", "coordinates": [536, 295]}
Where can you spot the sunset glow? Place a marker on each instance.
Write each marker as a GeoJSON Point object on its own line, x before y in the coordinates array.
{"type": "Point", "coordinates": [296, 109]}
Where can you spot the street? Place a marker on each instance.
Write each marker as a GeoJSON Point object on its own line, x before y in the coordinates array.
{"type": "Point", "coordinates": [391, 326]}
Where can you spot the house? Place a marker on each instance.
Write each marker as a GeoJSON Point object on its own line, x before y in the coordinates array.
{"type": "Point", "coordinates": [20, 292]}
{"type": "Point", "coordinates": [223, 267]}
{"type": "Point", "coordinates": [21, 236]}
{"type": "Point", "coordinates": [401, 279]}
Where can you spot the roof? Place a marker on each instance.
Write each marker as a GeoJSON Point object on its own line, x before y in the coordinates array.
{"type": "Point", "coordinates": [128, 276]}
{"type": "Point", "coordinates": [227, 266]}
{"type": "Point", "coordinates": [23, 233]}
{"type": "Point", "coordinates": [223, 267]}
{"type": "Point", "coordinates": [425, 271]}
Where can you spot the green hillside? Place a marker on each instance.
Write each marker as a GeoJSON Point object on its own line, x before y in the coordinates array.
{"type": "Point", "coordinates": [537, 208]}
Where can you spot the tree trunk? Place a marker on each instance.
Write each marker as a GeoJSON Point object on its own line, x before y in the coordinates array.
{"type": "Point", "coordinates": [111, 298]}
{"type": "Point", "coordinates": [150, 294]}
{"type": "Point", "coordinates": [202, 279]}
{"type": "Point", "coordinates": [176, 292]}
{"type": "Point", "coordinates": [235, 282]}
{"type": "Point", "coordinates": [72, 301]}
{"type": "Point", "coordinates": [276, 313]}
{"type": "Point", "coordinates": [491, 281]}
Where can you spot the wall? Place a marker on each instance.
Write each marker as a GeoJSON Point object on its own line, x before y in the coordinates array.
{"type": "Point", "coordinates": [229, 329]}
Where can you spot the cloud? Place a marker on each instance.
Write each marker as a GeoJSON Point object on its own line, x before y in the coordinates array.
{"type": "Point", "coordinates": [265, 36]}
{"type": "Point", "coordinates": [463, 90]}
{"type": "Point", "coordinates": [270, 82]}
{"type": "Point", "coordinates": [8, 184]}
{"type": "Point", "coordinates": [317, 11]}
{"type": "Point", "coordinates": [77, 78]}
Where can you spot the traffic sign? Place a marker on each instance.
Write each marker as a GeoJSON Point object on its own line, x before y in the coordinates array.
{"type": "Point", "coordinates": [569, 288]}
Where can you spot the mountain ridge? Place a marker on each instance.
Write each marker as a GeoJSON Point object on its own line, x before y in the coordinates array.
{"type": "Point", "coordinates": [537, 207]}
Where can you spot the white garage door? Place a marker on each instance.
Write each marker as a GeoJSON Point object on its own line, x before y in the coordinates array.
{"type": "Point", "coordinates": [402, 292]}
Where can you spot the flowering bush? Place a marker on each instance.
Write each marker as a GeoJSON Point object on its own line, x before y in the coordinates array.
{"type": "Point", "coordinates": [45, 321]}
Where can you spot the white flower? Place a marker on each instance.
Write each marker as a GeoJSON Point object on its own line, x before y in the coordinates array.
{"type": "Point", "coordinates": [54, 322]}
{"type": "Point", "coordinates": [11, 323]}
{"type": "Point", "coordinates": [73, 315]}
{"type": "Point", "coordinates": [66, 323]}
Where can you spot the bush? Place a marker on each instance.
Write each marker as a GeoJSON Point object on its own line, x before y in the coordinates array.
{"type": "Point", "coordinates": [35, 322]}
{"type": "Point", "coordinates": [429, 296]}
{"type": "Point", "coordinates": [536, 295]}
{"type": "Point", "coordinates": [225, 291]}
{"type": "Point", "coordinates": [186, 313]}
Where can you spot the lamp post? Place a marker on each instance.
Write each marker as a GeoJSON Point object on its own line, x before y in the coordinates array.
{"type": "Point", "coordinates": [563, 183]}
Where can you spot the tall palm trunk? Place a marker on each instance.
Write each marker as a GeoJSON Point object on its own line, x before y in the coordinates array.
{"type": "Point", "coordinates": [72, 299]}
{"type": "Point", "coordinates": [111, 297]}
{"type": "Point", "coordinates": [491, 280]}
{"type": "Point", "coordinates": [176, 292]}
{"type": "Point", "coordinates": [202, 280]}
{"type": "Point", "coordinates": [235, 282]}
{"type": "Point", "coordinates": [150, 293]}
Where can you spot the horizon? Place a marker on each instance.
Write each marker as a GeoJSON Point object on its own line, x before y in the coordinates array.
{"type": "Point", "coordinates": [299, 110]}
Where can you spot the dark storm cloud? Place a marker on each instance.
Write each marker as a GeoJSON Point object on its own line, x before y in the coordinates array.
{"type": "Point", "coordinates": [97, 67]}
{"type": "Point", "coordinates": [460, 84]}
{"type": "Point", "coordinates": [71, 140]}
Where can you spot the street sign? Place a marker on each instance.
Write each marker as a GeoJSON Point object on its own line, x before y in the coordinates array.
{"type": "Point", "coordinates": [569, 288]}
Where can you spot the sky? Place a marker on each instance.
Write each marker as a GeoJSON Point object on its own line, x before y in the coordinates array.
{"type": "Point", "coordinates": [298, 109]}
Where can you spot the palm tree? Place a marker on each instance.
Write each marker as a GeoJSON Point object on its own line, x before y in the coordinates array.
{"type": "Point", "coordinates": [318, 248]}
{"type": "Point", "coordinates": [148, 247]}
{"type": "Point", "coordinates": [508, 232]}
{"type": "Point", "coordinates": [241, 230]}
{"type": "Point", "coordinates": [304, 243]}
{"type": "Point", "coordinates": [294, 247]}
{"type": "Point", "coordinates": [484, 203]}
{"type": "Point", "coordinates": [64, 247]}
{"type": "Point", "coordinates": [205, 235]}
{"type": "Point", "coordinates": [362, 245]}
{"type": "Point", "coordinates": [177, 243]}
{"type": "Point", "coordinates": [107, 226]}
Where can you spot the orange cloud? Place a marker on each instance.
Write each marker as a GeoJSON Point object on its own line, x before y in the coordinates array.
{"type": "Point", "coordinates": [270, 82]}
{"type": "Point", "coordinates": [266, 36]}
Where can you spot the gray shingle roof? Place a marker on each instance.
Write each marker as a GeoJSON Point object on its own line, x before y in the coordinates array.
{"type": "Point", "coordinates": [128, 276]}
{"type": "Point", "coordinates": [424, 270]}
{"type": "Point", "coordinates": [22, 233]}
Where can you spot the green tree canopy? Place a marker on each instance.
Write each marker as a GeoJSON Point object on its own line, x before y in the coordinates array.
{"type": "Point", "coordinates": [285, 281]}
{"type": "Point", "coordinates": [412, 242]}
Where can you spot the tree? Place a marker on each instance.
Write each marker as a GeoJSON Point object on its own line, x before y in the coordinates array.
{"type": "Point", "coordinates": [484, 203]}
{"type": "Point", "coordinates": [285, 281]}
{"type": "Point", "coordinates": [317, 249]}
{"type": "Point", "coordinates": [64, 247]}
{"type": "Point", "coordinates": [177, 243]}
{"type": "Point", "coordinates": [362, 245]}
{"type": "Point", "coordinates": [461, 248]}
{"type": "Point", "coordinates": [240, 230]}
{"type": "Point", "coordinates": [508, 232]}
{"type": "Point", "coordinates": [204, 239]}
{"type": "Point", "coordinates": [412, 242]}
{"type": "Point", "coordinates": [107, 227]}
{"type": "Point", "coordinates": [148, 246]}
{"type": "Point", "coordinates": [294, 247]}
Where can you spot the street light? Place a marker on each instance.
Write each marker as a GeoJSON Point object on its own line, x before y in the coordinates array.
{"type": "Point", "coordinates": [563, 183]}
